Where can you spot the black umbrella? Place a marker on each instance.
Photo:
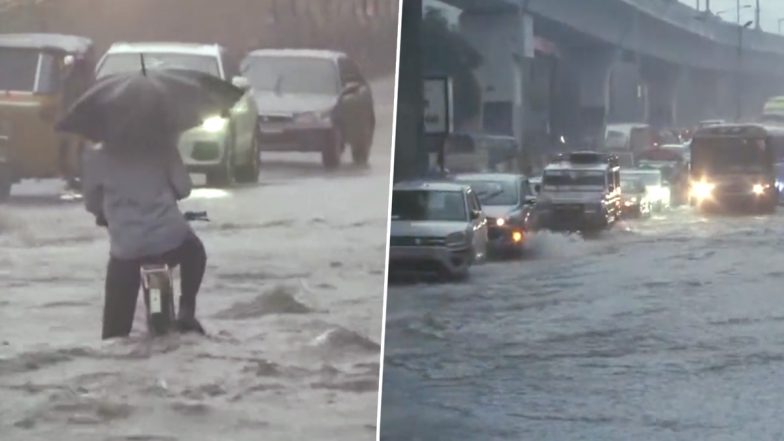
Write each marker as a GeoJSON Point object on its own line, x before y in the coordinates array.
{"type": "Point", "coordinates": [148, 104]}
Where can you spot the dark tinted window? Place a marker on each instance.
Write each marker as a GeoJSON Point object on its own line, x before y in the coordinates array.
{"type": "Point", "coordinates": [495, 192]}
{"type": "Point", "coordinates": [730, 155]}
{"type": "Point", "coordinates": [291, 75]}
{"type": "Point", "coordinates": [50, 79]}
{"type": "Point", "coordinates": [420, 205]}
{"type": "Point", "coordinates": [349, 72]}
{"type": "Point", "coordinates": [122, 63]}
{"type": "Point", "coordinates": [574, 178]}
{"type": "Point", "coordinates": [18, 69]}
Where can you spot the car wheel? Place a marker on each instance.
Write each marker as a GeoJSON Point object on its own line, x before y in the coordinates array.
{"type": "Point", "coordinates": [6, 182]}
{"type": "Point", "coordinates": [330, 153]}
{"type": "Point", "coordinates": [224, 175]}
{"type": "Point", "coordinates": [360, 148]}
{"type": "Point", "coordinates": [250, 173]}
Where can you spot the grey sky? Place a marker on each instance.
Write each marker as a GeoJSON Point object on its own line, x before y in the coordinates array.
{"type": "Point", "coordinates": [771, 11]}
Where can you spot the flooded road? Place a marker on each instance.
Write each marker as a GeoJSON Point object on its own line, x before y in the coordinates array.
{"type": "Point", "coordinates": [666, 329]}
{"type": "Point", "coordinates": [292, 302]}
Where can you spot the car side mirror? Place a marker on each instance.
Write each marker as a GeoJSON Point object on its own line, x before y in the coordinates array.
{"type": "Point", "coordinates": [476, 214]}
{"type": "Point", "coordinates": [530, 200]}
{"type": "Point", "coordinates": [351, 88]}
{"type": "Point", "coordinates": [538, 188]}
{"type": "Point", "coordinates": [241, 82]}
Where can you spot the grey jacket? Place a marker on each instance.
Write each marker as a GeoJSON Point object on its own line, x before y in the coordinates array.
{"type": "Point", "coordinates": [137, 193]}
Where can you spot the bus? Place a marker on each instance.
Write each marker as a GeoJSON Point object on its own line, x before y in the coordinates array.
{"type": "Point", "coordinates": [734, 166]}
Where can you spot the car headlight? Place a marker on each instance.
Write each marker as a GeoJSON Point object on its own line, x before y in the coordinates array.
{"type": "Point", "coordinates": [456, 239]}
{"type": "Point", "coordinates": [215, 124]}
{"type": "Point", "coordinates": [702, 190]}
{"type": "Point", "coordinates": [313, 117]}
{"type": "Point", "coordinates": [758, 189]}
{"type": "Point", "coordinates": [500, 222]}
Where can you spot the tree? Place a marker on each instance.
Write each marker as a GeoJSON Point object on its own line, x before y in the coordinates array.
{"type": "Point", "coordinates": [446, 52]}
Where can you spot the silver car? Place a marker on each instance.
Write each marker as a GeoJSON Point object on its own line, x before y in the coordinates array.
{"type": "Point", "coordinates": [508, 202]}
{"type": "Point", "coordinates": [225, 147]}
{"type": "Point", "coordinates": [437, 228]}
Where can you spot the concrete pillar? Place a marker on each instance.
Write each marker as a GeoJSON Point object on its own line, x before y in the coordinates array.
{"type": "Point", "coordinates": [411, 158]}
{"type": "Point", "coordinates": [726, 98]}
{"type": "Point", "coordinates": [591, 68]}
{"type": "Point", "coordinates": [662, 81]}
{"type": "Point", "coordinates": [701, 94]}
{"type": "Point", "coordinates": [501, 39]}
{"type": "Point", "coordinates": [627, 94]}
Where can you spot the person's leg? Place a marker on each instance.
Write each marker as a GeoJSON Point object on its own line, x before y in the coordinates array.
{"type": "Point", "coordinates": [192, 259]}
{"type": "Point", "coordinates": [122, 290]}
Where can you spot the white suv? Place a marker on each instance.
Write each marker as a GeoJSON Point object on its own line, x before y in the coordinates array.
{"type": "Point", "coordinates": [437, 227]}
{"type": "Point", "coordinates": [226, 146]}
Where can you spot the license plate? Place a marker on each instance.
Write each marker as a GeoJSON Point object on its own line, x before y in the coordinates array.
{"type": "Point", "coordinates": [155, 301]}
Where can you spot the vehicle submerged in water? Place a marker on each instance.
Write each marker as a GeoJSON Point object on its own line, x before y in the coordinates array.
{"type": "Point", "coordinates": [733, 167]}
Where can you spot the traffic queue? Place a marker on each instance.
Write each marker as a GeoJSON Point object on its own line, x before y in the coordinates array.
{"type": "Point", "coordinates": [443, 225]}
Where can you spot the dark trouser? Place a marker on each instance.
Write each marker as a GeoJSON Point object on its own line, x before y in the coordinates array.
{"type": "Point", "coordinates": [123, 280]}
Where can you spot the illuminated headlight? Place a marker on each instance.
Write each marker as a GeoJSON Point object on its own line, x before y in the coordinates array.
{"type": "Point", "coordinates": [313, 118]}
{"type": "Point", "coordinates": [500, 222]}
{"type": "Point", "coordinates": [456, 240]}
{"type": "Point", "coordinates": [215, 124]}
{"type": "Point", "coordinates": [702, 190]}
{"type": "Point", "coordinates": [758, 189]}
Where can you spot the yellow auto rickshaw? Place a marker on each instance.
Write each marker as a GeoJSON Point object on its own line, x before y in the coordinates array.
{"type": "Point", "coordinates": [41, 75]}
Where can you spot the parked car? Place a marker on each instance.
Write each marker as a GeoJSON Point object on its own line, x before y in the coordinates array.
{"type": "Point", "coordinates": [507, 201]}
{"type": "Point", "coordinates": [437, 228]}
{"type": "Point", "coordinates": [225, 147]}
{"type": "Point", "coordinates": [312, 101]}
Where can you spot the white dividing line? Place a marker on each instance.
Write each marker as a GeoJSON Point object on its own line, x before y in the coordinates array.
{"type": "Point", "coordinates": [389, 223]}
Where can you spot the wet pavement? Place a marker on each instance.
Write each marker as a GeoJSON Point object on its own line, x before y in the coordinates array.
{"type": "Point", "coordinates": [666, 329]}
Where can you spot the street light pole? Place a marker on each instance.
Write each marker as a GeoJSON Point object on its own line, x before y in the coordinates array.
{"type": "Point", "coordinates": [739, 74]}
{"type": "Point", "coordinates": [757, 24]}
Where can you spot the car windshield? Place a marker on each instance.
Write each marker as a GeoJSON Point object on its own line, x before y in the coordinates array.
{"type": "Point", "coordinates": [573, 180]}
{"type": "Point", "coordinates": [615, 139]}
{"type": "Point", "coordinates": [122, 63]}
{"type": "Point", "coordinates": [496, 192]}
{"type": "Point", "coordinates": [632, 185]}
{"type": "Point", "coordinates": [424, 205]}
{"type": "Point", "coordinates": [18, 69]}
{"type": "Point", "coordinates": [649, 179]}
{"type": "Point", "coordinates": [291, 75]}
{"type": "Point", "coordinates": [730, 155]}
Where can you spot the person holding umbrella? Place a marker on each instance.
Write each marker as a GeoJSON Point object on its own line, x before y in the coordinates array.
{"type": "Point", "coordinates": [134, 177]}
